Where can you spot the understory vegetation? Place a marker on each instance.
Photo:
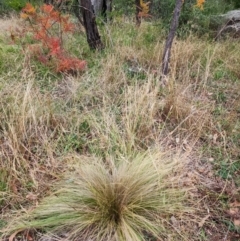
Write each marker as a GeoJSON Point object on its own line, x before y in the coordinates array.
{"type": "Point", "coordinates": [110, 153]}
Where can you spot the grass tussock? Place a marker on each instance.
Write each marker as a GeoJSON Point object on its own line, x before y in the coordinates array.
{"type": "Point", "coordinates": [131, 200]}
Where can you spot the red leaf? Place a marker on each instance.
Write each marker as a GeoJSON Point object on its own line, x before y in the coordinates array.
{"type": "Point", "coordinates": [41, 35]}
{"type": "Point", "coordinates": [29, 9]}
{"type": "Point", "coordinates": [24, 15]}
{"type": "Point", "coordinates": [55, 15]}
{"type": "Point", "coordinates": [70, 64]}
{"type": "Point", "coordinates": [68, 27]}
{"type": "Point", "coordinates": [47, 8]}
{"type": "Point", "coordinates": [44, 22]}
{"type": "Point", "coordinates": [80, 64]}
{"type": "Point", "coordinates": [54, 46]}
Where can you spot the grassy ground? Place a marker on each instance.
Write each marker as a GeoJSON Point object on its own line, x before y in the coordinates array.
{"type": "Point", "coordinates": [112, 154]}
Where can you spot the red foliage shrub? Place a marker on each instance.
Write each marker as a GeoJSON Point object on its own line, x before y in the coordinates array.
{"type": "Point", "coordinates": [47, 27]}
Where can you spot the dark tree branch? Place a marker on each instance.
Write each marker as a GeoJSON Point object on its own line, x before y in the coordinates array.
{"type": "Point", "coordinates": [171, 35]}
{"type": "Point", "coordinates": [138, 9]}
{"type": "Point", "coordinates": [89, 22]}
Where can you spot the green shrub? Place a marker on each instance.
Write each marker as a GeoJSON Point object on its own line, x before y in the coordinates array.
{"type": "Point", "coordinates": [7, 6]}
{"type": "Point", "coordinates": [12, 5]}
{"type": "Point", "coordinates": [235, 3]}
{"type": "Point", "coordinates": [192, 18]}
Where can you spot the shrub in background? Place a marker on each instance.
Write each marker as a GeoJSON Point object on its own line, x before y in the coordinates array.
{"type": "Point", "coordinates": [192, 17]}
{"type": "Point", "coordinates": [7, 6]}
{"type": "Point", "coordinates": [198, 18]}
{"type": "Point", "coordinates": [235, 3]}
{"type": "Point", "coordinates": [16, 5]}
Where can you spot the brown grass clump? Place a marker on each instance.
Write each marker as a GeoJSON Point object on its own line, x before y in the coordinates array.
{"type": "Point", "coordinates": [29, 128]}
{"type": "Point", "coordinates": [9, 24]}
{"type": "Point", "coordinates": [187, 115]}
{"type": "Point", "coordinates": [131, 200]}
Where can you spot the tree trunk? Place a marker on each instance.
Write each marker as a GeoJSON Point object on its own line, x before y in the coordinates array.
{"type": "Point", "coordinates": [138, 9]}
{"type": "Point", "coordinates": [89, 21]}
{"type": "Point", "coordinates": [97, 6]}
{"type": "Point", "coordinates": [109, 9]}
{"type": "Point", "coordinates": [103, 8]}
{"type": "Point", "coordinates": [57, 4]}
{"type": "Point", "coordinates": [48, 2]}
{"type": "Point", "coordinates": [171, 35]}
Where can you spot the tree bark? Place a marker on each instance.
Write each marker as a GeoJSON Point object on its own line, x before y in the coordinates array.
{"type": "Point", "coordinates": [48, 2]}
{"type": "Point", "coordinates": [103, 8]}
{"type": "Point", "coordinates": [138, 9]}
{"type": "Point", "coordinates": [89, 21]}
{"type": "Point", "coordinates": [171, 35]}
{"type": "Point", "coordinates": [109, 9]}
{"type": "Point", "coordinates": [57, 4]}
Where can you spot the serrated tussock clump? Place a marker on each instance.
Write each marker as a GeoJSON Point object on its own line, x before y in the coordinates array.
{"type": "Point", "coordinates": [99, 201]}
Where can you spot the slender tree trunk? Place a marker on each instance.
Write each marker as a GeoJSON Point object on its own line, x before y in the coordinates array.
{"type": "Point", "coordinates": [138, 9]}
{"type": "Point", "coordinates": [48, 2]}
{"type": "Point", "coordinates": [89, 21]}
{"type": "Point", "coordinates": [171, 35]}
{"type": "Point", "coordinates": [109, 10]}
{"type": "Point", "coordinates": [57, 4]}
{"type": "Point", "coordinates": [104, 10]}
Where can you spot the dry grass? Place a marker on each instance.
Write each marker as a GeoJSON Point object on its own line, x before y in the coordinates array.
{"type": "Point", "coordinates": [9, 25]}
{"type": "Point", "coordinates": [107, 116]}
{"type": "Point", "coordinates": [29, 129]}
